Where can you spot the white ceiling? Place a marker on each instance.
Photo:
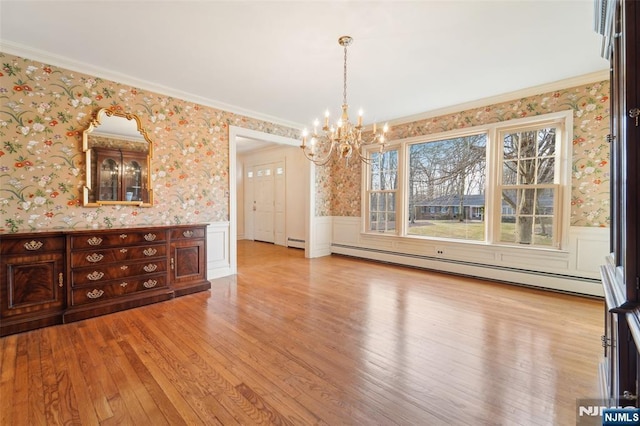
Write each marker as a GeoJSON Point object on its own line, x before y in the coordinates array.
{"type": "Point", "coordinates": [281, 60]}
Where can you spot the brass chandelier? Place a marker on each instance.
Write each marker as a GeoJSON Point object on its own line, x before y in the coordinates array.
{"type": "Point", "coordinates": [344, 138]}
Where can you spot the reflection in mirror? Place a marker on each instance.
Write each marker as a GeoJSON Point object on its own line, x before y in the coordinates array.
{"type": "Point", "coordinates": [118, 154]}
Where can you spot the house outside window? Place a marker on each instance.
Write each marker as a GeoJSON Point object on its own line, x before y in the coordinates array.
{"type": "Point", "coordinates": [507, 183]}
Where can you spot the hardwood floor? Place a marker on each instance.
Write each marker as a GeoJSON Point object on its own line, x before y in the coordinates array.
{"type": "Point", "coordinates": [334, 340]}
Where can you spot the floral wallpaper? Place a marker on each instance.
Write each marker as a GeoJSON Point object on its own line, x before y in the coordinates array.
{"type": "Point", "coordinates": [43, 112]}
{"type": "Point", "coordinates": [44, 109]}
{"type": "Point", "coordinates": [590, 161]}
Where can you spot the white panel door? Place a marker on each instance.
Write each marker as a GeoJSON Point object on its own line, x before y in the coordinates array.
{"type": "Point", "coordinates": [264, 203]}
{"type": "Point", "coordinates": [280, 203]}
{"type": "Point", "coordinates": [249, 204]}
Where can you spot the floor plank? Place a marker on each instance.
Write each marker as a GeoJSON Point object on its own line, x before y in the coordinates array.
{"type": "Point", "coordinates": [334, 340]}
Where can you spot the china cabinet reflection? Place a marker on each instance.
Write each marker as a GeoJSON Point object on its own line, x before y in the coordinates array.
{"type": "Point", "coordinates": [120, 175]}
{"type": "Point", "coordinates": [118, 158]}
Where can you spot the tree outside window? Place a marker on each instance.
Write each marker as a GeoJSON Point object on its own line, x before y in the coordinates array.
{"type": "Point", "coordinates": [449, 177]}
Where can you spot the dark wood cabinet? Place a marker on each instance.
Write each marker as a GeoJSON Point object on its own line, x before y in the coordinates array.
{"type": "Point", "coordinates": [32, 282]}
{"type": "Point", "coordinates": [621, 273]}
{"type": "Point", "coordinates": [188, 260]}
{"type": "Point", "coordinates": [50, 278]}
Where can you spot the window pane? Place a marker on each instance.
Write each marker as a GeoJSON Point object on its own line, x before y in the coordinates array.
{"type": "Point", "coordinates": [527, 216]}
{"type": "Point", "coordinates": [375, 181]}
{"type": "Point", "coordinates": [528, 144]}
{"type": "Point", "coordinates": [391, 202]}
{"type": "Point", "coordinates": [546, 142]}
{"type": "Point", "coordinates": [546, 170]}
{"type": "Point", "coordinates": [446, 183]}
{"type": "Point", "coordinates": [373, 205]}
{"type": "Point", "coordinates": [527, 172]}
{"type": "Point", "coordinates": [384, 170]}
{"type": "Point", "coordinates": [545, 201]}
{"type": "Point", "coordinates": [509, 172]}
{"type": "Point", "coordinates": [543, 231]}
{"type": "Point", "coordinates": [534, 152]}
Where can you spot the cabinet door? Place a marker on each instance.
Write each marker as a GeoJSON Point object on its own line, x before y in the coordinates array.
{"type": "Point", "coordinates": [32, 291]}
{"type": "Point", "coordinates": [134, 175]}
{"type": "Point", "coordinates": [108, 178]}
{"type": "Point", "coordinates": [188, 266]}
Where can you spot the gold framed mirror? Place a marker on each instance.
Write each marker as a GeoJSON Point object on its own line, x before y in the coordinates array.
{"type": "Point", "coordinates": [118, 159]}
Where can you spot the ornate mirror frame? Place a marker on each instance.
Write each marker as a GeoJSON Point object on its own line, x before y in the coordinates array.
{"type": "Point", "coordinates": [120, 145]}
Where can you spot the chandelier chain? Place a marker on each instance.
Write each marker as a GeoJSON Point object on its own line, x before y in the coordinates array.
{"type": "Point", "coordinates": [344, 92]}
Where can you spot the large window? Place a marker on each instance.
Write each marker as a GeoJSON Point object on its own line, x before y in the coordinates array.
{"type": "Point", "coordinates": [382, 190]}
{"type": "Point", "coordinates": [527, 186]}
{"type": "Point", "coordinates": [446, 188]}
{"type": "Point", "coordinates": [506, 183]}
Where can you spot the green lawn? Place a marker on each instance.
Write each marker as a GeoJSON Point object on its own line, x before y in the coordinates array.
{"type": "Point", "coordinates": [468, 231]}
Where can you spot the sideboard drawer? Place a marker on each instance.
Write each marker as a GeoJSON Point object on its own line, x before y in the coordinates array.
{"type": "Point", "coordinates": [118, 288]}
{"type": "Point", "coordinates": [119, 238]}
{"type": "Point", "coordinates": [187, 233]}
{"type": "Point", "coordinates": [105, 256]}
{"type": "Point", "coordinates": [32, 245]}
{"type": "Point", "coordinates": [100, 274]}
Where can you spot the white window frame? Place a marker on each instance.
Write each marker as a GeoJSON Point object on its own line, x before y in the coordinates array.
{"type": "Point", "coordinates": [367, 191]}
{"type": "Point", "coordinates": [563, 120]}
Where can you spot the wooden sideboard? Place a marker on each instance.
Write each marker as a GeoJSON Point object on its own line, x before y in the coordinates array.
{"type": "Point", "coordinates": [55, 277]}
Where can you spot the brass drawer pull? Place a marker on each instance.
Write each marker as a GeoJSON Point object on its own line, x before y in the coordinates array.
{"type": "Point", "coordinates": [94, 258]}
{"type": "Point", "coordinates": [150, 267]}
{"type": "Point", "coordinates": [94, 241]}
{"type": "Point", "coordinates": [150, 252]}
{"type": "Point", "coordinates": [150, 283]}
{"type": "Point", "coordinates": [124, 267]}
{"type": "Point", "coordinates": [33, 245]}
{"type": "Point", "coordinates": [95, 293]}
{"type": "Point", "coordinates": [60, 279]}
{"type": "Point", "coordinates": [124, 284]}
{"type": "Point", "coordinates": [150, 237]}
{"type": "Point", "coordinates": [123, 250]}
{"type": "Point", "coordinates": [95, 275]}
{"type": "Point", "coordinates": [123, 236]}
{"type": "Point", "coordinates": [188, 233]}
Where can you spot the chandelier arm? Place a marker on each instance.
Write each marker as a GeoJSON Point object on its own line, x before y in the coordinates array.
{"type": "Point", "coordinates": [363, 157]}
{"type": "Point", "coordinates": [322, 161]}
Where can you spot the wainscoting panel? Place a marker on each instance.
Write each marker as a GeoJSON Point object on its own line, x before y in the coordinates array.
{"type": "Point", "coordinates": [218, 261]}
{"type": "Point", "coordinates": [573, 270]}
{"type": "Point", "coordinates": [320, 239]}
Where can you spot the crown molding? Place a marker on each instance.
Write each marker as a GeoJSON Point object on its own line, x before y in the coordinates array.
{"type": "Point", "coordinates": [78, 66]}
{"type": "Point", "coordinates": [24, 51]}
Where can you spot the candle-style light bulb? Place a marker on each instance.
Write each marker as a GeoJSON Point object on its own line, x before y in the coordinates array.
{"type": "Point", "coordinates": [360, 118]}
